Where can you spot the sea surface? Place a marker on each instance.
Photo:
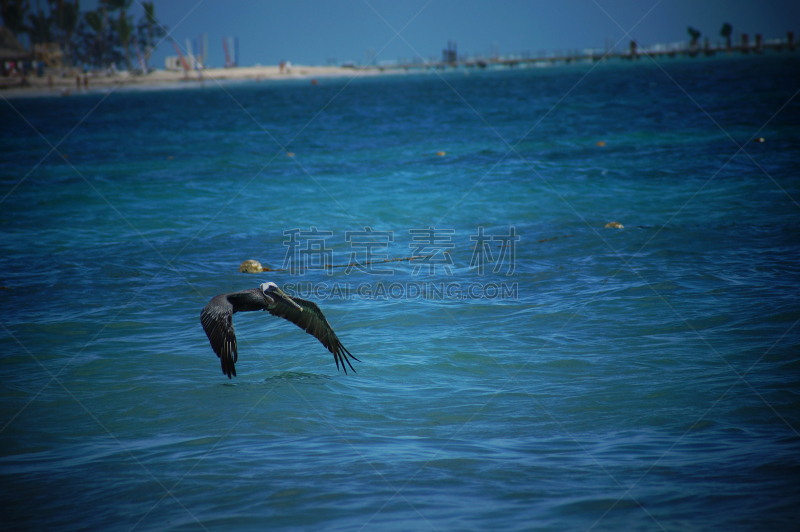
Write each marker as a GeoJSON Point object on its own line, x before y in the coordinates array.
{"type": "Point", "coordinates": [532, 369]}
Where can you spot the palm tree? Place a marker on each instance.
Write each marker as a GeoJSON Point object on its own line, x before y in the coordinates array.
{"type": "Point", "coordinates": [694, 34]}
{"type": "Point", "coordinates": [726, 31]}
{"type": "Point", "coordinates": [13, 13]}
{"type": "Point", "coordinates": [67, 22]}
{"type": "Point", "coordinates": [150, 20]}
{"type": "Point", "coordinates": [103, 30]}
{"type": "Point", "coordinates": [124, 27]}
{"type": "Point", "coordinates": [94, 19]}
{"type": "Point", "coordinates": [40, 28]}
{"type": "Point", "coordinates": [125, 30]}
{"type": "Point", "coordinates": [149, 30]}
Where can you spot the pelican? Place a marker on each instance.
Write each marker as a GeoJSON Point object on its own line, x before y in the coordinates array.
{"type": "Point", "coordinates": [217, 321]}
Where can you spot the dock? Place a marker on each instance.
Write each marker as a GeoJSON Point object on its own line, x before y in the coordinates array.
{"type": "Point", "coordinates": [450, 60]}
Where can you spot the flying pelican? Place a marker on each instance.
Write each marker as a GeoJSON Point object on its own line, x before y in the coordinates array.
{"type": "Point", "coordinates": [217, 321]}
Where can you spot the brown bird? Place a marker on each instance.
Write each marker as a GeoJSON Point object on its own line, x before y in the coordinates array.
{"type": "Point", "coordinates": [217, 321]}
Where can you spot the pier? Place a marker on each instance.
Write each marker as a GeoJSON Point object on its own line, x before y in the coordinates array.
{"type": "Point", "coordinates": [450, 60]}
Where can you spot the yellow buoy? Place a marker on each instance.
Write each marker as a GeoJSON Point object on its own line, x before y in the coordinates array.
{"type": "Point", "coordinates": [290, 154]}
{"type": "Point", "coordinates": [600, 143]}
{"type": "Point", "coordinates": [441, 153]}
{"type": "Point", "coordinates": [251, 266]}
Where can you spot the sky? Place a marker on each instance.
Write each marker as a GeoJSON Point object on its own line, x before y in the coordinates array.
{"type": "Point", "coordinates": [314, 32]}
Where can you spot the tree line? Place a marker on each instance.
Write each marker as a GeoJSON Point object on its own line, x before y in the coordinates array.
{"type": "Point", "coordinates": [726, 31]}
{"type": "Point", "coordinates": [97, 38]}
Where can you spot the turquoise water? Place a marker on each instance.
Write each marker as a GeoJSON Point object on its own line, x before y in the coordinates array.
{"type": "Point", "coordinates": [643, 378]}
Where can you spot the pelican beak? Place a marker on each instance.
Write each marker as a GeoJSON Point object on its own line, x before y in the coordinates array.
{"type": "Point", "coordinates": [280, 293]}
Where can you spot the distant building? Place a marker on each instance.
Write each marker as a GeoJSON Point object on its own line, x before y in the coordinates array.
{"type": "Point", "coordinates": [173, 62]}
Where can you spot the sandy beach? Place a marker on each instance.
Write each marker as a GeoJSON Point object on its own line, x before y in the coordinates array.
{"type": "Point", "coordinates": [71, 81]}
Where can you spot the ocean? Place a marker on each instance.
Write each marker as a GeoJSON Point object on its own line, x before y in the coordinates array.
{"type": "Point", "coordinates": [530, 369]}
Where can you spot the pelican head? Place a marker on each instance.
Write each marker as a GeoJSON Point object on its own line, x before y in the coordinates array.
{"type": "Point", "coordinates": [272, 291]}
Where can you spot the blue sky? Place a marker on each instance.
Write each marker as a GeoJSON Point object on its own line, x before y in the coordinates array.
{"type": "Point", "coordinates": [312, 31]}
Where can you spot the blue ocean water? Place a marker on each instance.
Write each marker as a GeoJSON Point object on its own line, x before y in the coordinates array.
{"type": "Point", "coordinates": [576, 378]}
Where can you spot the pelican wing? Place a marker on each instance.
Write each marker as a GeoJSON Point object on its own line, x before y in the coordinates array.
{"type": "Point", "coordinates": [313, 321]}
{"type": "Point", "coordinates": [217, 321]}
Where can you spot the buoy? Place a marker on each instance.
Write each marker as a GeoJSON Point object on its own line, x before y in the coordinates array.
{"type": "Point", "coordinates": [600, 144]}
{"type": "Point", "coordinates": [759, 139]}
{"type": "Point", "coordinates": [313, 82]}
{"type": "Point", "coordinates": [441, 153]}
{"type": "Point", "coordinates": [290, 154]}
{"type": "Point", "coordinates": [251, 266]}
{"type": "Point", "coordinates": [614, 225]}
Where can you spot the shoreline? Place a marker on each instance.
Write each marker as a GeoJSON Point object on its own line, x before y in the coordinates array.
{"type": "Point", "coordinates": [67, 82]}
{"type": "Point", "coordinates": [72, 81]}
